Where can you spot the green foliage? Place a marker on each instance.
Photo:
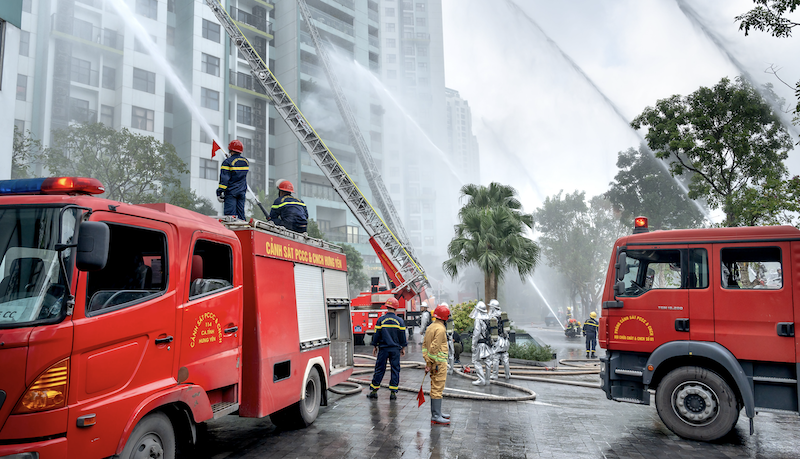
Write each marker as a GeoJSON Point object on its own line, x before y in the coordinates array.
{"type": "Point", "coordinates": [24, 149]}
{"type": "Point", "coordinates": [491, 235]}
{"type": "Point", "coordinates": [768, 16]}
{"type": "Point", "coordinates": [133, 168]}
{"type": "Point", "coordinates": [356, 277]}
{"type": "Point", "coordinates": [313, 229]}
{"type": "Point", "coordinates": [460, 314]}
{"type": "Point", "coordinates": [530, 351]}
{"type": "Point", "coordinates": [727, 138]}
{"type": "Point", "coordinates": [643, 187]}
{"type": "Point", "coordinates": [576, 240]}
{"type": "Point", "coordinates": [266, 200]}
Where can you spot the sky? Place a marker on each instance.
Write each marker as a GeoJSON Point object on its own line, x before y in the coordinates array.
{"type": "Point", "coordinates": [553, 86]}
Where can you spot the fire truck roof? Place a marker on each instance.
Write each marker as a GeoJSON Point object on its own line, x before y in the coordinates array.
{"type": "Point", "coordinates": [710, 235]}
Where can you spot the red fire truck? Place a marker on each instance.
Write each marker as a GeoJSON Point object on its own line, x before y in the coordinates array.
{"type": "Point", "coordinates": [124, 326]}
{"type": "Point", "coordinates": [705, 318]}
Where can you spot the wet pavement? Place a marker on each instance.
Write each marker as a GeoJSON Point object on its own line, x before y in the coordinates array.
{"type": "Point", "coordinates": [564, 422]}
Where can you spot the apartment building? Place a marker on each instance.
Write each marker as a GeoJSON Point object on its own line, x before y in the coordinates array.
{"type": "Point", "coordinates": [10, 32]}
{"type": "Point", "coordinates": [462, 144]}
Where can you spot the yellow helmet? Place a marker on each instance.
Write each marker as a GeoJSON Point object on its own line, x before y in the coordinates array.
{"type": "Point", "coordinates": [569, 309]}
{"type": "Point", "coordinates": [593, 315]}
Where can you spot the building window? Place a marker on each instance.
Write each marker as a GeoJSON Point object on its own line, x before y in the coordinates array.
{"type": "Point", "coordinates": [271, 156]}
{"type": "Point", "coordinates": [247, 146]}
{"type": "Point", "coordinates": [421, 22]}
{"type": "Point", "coordinates": [109, 77]}
{"type": "Point", "coordinates": [244, 114]}
{"type": "Point", "coordinates": [147, 8]}
{"type": "Point", "coordinates": [390, 26]}
{"type": "Point", "coordinates": [79, 111]}
{"type": "Point", "coordinates": [209, 169]}
{"type": "Point", "coordinates": [408, 50]}
{"type": "Point", "coordinates": [209, 99]}
{"type": "Point", "coordinates": [142, 118]}
{"type": "Point", "coordinates": [24, 43]}
{"type": "Point", "coordinates": [420, 7]}
{"type": "Point", "coordinates": [19, 125]}
{"type": "Point", "coordinates": [81, 71]}
{"type": "Point", "coordinates": [171, 6]}
{"type": "Point", "coordinates": [171, 35]}
{"type": "Point", "coordinates": [204, 138]}
{"type": "Point", "coordinates": [169, 100]}
{"type": "Point", "coordinates": [144, 80]}
{"type": "Point", "coordinates": [167, 135]}
{"type": "Point", "coordinates": [391, 43]}
{"type": "Point", "coordinates": [422, 50]}
{"type": "Point", "coordinates": [107, 115]}
{"type": "Point", "coordinates": [209, 64]}
{"type": "Point", "coordinates": [26, 6]}
{"type": "Point", "coordinates": [272, 126]}
{"type": "Point", "coordinates": [391, 58]}
{"type": "Point", "coordinates": [210, 31]}
{"type": "Point", "coordinates": [22, 87]}
{"type": "Point", "coordinates": [422, 65]}
{"type": "Point", "coordinates": [389, 12]}
{"type": "Point", "coordinates": [408, 6]}
{"type": "Point", "coordinates": [408, 19]}
{"type": "Point", "coordinates": [110, 38]}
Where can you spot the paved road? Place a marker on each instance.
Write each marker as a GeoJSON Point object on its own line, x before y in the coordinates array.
{"type": "Point", "coordinates": [564, 422]}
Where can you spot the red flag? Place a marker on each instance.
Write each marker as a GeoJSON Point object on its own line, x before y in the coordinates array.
{"type": "Point", "coordinates": [214, 148]}
{"type": "Point", "coordinates": [421, 393]}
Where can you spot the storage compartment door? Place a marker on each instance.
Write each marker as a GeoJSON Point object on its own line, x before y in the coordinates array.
{"type": "Point", "coordinates": [336, 287]}
{"type": "Point", "coordinates": [311, 313]}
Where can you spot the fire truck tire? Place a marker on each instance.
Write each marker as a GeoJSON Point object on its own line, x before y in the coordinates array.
{"type": "Point", "coordinates": [153, 436]}
{"type": "Point", "coordinates": [303, 413]}
{"type": "Point", "coordinates": [697, 404]}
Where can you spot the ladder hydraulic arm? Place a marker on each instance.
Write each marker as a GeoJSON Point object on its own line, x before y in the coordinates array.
{"type": "Point", "coordinates": [396, 257]}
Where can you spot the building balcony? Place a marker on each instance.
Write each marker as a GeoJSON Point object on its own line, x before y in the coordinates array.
{"type": "Point", "coordinates": [348, 3]}
{"type": "Point", "coordinates": [373, 15]}
{"type": "Point", "coordinates": [374, 41]}
{"type": "Point", "coordinates": [244, 81]}
{"type": "Point", "coordinates": [312, 70]}
{"type": "Point", "coordinates": [87, 77]}
{"type": "Point", "coordinates": [335, 23]}
{"type": "Point", "coordinates": [261, 25]}
{"type": "Point", "coordinates": [82, 115]}
{"type": "Point", "coordinates": [85, 32]}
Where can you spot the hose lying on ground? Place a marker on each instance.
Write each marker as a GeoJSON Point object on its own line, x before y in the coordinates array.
{"type": "Point", "coordinates": [356, 388]}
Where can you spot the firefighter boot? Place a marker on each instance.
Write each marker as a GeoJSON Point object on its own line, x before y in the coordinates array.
{"type": "Point", "coordinates": [436, 412]}
{"type": "Point", "coordinates": [494, 366]}
{"type": "Point", "coordinates": [507, 369]}
{"type": "Point", "coordinates": [393, 395]}
{"type": "Point", "coordinates": [481, 381]}
{"type": "Point", "coordinates": [373, 394]}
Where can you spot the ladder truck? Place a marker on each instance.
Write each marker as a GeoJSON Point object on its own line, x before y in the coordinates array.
{"type": "Point", "coordinates": [394, 253]}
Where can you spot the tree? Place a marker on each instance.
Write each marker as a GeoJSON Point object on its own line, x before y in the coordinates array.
{"type": "Point", "coordinates": [133, 168]}
{"type": "Point", "coordinates": [357, 279]}
{"type": "Point", "coordinates": [576, 240]}
{"type": "Point", "coordinates": [643, 187]}
{"type": "Point", "coordinates": [491, 235]}
{"type": "Point", "coordinates": [24, 148]}
{"type": "Point", "coordinates": [726, 137]}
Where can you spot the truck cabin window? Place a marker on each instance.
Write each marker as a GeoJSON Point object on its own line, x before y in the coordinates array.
{"type": "Point", "coordinates": [136, 270]}
{"type": "Point", "coordinates": [212, 268]}
{"type": "Point", "coordinates": [751, 268]}
{"type": "Point", "coordinates": [32, 283]}
{"type": "Point", "coordinates": [665, 269]}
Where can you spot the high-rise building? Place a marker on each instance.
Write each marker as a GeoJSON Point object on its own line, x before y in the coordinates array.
{"type": "Point", "coordinates": [10, 36]}
{"type": "Point", "coordinates": [462, 145]}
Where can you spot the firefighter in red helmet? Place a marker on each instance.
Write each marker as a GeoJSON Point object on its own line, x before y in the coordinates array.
{"type": "Point", "coordinates": [233, 181]}
{"type": "Point", "coordinates": [289, 211]}
{"type": "Point", "coordinates": [435, 353]}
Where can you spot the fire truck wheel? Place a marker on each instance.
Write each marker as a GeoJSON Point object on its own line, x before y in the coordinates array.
{"type": "Point", "coordinates": [303, 413]}
{"type": "Point", "coordinates": [153, 436]}
{"type": "Point", "coordinates": [697, 404]}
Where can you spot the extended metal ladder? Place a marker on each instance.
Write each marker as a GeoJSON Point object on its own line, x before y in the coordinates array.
{"type": "Point", "coordinates": [397, 259]}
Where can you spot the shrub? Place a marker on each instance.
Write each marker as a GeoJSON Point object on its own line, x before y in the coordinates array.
{"type": "Point", "coordinates": [530, 351]}
{"type": "Point", "coordinates": [460, 314]}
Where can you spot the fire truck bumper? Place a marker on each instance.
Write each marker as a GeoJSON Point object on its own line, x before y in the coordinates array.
{"type": "Point", "coordinates": [46, 449]}
{"type": "Point", "coordinates": [621, 377]}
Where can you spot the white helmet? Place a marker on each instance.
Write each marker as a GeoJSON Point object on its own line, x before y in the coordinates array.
{"type": "Point", "coordinates": [494, 304]}
{"type": "Point", "coordinates": [479, 312]}
{"type": "Point", "coordinates": [424, 304]}
{"type": "Point", "coordinates": [445, 305]}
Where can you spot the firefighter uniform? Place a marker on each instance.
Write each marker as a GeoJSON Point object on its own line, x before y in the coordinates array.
{"type": "Point", "coordinates": [233, 184]}
{"type": "Point", "coordinates": [389, 338]}
{"type": "Point", "coordinates": [290, 212]}
{"type": "Point", "coordinates": [590, 331]}
{"type": "Point", "coordinates": [435, 353]}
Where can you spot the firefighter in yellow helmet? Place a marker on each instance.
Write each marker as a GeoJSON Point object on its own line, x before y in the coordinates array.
{"type": "Point", "coordinates": [435, 353]}
{"type": "Point", "coordinates": [590, 332]}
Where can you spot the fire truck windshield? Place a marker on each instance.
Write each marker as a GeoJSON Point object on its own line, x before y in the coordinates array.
{"type": "Point", "coordinates": [33, 286]}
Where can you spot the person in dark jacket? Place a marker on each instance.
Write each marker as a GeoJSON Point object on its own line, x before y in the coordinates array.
{"type": "Point", "coordinates": [233, 181]}
{"type": "Point", "coordinates": [458, 346]}
{"type": "Point", "coordinates": [390, 343]}
{"type": "Point", "coordinates": [288, 211]}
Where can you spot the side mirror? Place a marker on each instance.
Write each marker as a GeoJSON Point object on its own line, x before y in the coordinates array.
{"type": "Point", "coordinates": [621, 266]}
{"type": "Point", "coordinates": [619, 288]}
{"type": "Point", "coordinates": [93, 239]}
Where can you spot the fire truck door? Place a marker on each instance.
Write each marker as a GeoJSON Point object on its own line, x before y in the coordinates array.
{"type": "Point", "coordinates": [124, 320]}
{"type": "Point", "coordinates": [753, 300]}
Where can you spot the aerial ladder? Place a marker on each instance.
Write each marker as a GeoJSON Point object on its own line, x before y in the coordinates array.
{"type": "Point", "coordinates": [396, 257]}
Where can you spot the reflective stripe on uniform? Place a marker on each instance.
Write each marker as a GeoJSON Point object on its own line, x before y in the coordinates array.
{"type": "Point", "coordinates": [374, 386]}
{"type": "Point", "coordinates": [223, 186]}
{"type": "Point", "coordinates": [289, 202]}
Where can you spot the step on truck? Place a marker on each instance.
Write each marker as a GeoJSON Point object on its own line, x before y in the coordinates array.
{"type": "Point", "coordinates": [705, 319]}
{"type": "Point", "coordinates": [122, 327]}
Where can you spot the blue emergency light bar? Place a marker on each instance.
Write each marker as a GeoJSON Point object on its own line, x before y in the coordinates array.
{"type": "Point", "coordinates": [51, 185]}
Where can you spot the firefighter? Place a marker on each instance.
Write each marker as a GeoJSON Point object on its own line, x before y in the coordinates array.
{"type": "Point", "coordinates": [233, 181]}
{"type": "Point", "coordinates": [501, 345]}
{"type": "Point", "coordinates": [569, 314]}
{"type": "Point", "coordinates": [424, 318]}
{"type": "Point", "coordinates": [390, 343]}
{"type": "Point", "coordinates": [481, 342]}
{"type": "Point", "coordinates": [435, 353]}
{"type": "Point", "coordinates": [288, 211]}
{"type": "Point", "coordinates": [590, 332]}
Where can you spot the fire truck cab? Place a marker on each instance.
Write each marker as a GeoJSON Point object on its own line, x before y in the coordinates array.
{"type": "Point", "coordinates": [705, 318]}
{"type": "Point", "coordinates": [124, 326]}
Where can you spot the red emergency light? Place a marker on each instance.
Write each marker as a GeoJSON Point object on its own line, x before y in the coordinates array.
{"type": "Point", "coordinates": [640, 225]}
{"type": "Point", "coordinates": [52, 185]}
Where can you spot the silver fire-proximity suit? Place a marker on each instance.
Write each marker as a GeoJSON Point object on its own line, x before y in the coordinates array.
{"type": "Point", "coordinates": [501, 344]}
{"type": "Point", "coordinates": [481, 343]}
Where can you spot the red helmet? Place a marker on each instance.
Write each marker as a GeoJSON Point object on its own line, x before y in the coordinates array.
{"type": "Point", "coordinates": [391, 302]}
{"type": "Point", "coordinates": [236, 145]}
{"type": "Point", "coordinates": [442, 312]}
{"type": "Point", "coordinates": [285, 185]}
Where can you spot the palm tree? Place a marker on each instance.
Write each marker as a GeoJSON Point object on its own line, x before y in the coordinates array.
{"type": "Point", "coordinates": [491, 235]}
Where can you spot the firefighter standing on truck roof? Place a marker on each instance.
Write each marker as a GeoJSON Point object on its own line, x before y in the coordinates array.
{"type": "Point", "coordinates": [435, 353]}
{"type": "Point", "coordinates": [233, 181]}
{"type": "Point", "coordinates": [390, 343]}
{"type": "Point", "coordinates": [590, 332]}
{"type": "Point", "coordinates": [288, 211]}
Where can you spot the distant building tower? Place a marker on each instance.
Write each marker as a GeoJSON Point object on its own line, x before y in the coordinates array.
{"type": "Point", "coordinates": [461, 143]}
